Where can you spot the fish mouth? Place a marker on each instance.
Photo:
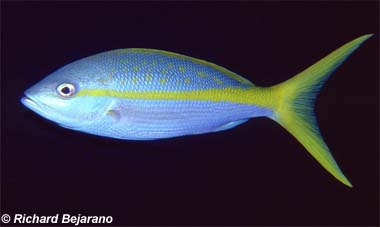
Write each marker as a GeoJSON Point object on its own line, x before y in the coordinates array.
{"type": "Point", "coordinates": [29, 102]}
{"type": "Point", "coordinates": [44, 110]}
{"type": "Point", "coordinates": [32, 104]}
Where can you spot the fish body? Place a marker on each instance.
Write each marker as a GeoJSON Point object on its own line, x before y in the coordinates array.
{"type": "Point", "coordinates": [145, 94]}
{"type": "Point", "coordinates": [152, 94]}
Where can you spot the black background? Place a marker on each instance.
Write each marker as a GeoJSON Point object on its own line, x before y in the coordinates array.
{"type": "Point", "coordinates": [255, 174]}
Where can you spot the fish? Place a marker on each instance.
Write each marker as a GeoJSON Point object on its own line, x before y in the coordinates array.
{"type": "Point", "coordinates": [148, 94]}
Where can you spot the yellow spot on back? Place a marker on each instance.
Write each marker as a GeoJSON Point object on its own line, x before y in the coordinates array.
{"type": "Point", "coordinates": [148, 78]}
{"type": "Point", "coordinates": [197, 61]}
{"type": "Point", "coordinates": [164, 71]}
{"type": "Point", "coordinates": [135, 79]}
{"type": "Point", "coordinates": [217, 80]}
{"type": "Point", "coordinates": [201, 74]}
{"type": "Point", "coordinates": [187, 80]}
{"type": "Point", "coordinates": [182, 69]}
{"type": "Point", "coordinates": [163, 80]}
{"type": "Point", "coordinates": [136, 68]}
{"type": "Point", "coordinates": [170, 65]}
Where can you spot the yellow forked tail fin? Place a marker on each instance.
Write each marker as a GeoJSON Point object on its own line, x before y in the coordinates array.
{"type": "Point", "coordinates": [294, 105]}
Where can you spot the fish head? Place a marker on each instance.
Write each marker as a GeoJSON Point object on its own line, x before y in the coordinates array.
{"type": "Point", "coordinates": [56, 96]}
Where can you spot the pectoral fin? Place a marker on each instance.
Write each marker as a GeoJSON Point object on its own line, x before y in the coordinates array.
{"type": "Point", "coordinates": [114, 114]}
{"type": "Point", "coordinates": [230, 125]}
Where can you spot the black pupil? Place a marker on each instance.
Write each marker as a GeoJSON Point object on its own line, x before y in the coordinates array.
{"type": "Point", "coordinates": [65, 90]}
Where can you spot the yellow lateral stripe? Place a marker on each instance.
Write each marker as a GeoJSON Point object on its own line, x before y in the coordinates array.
{"type": "Point", "coordinates": [256, 96]}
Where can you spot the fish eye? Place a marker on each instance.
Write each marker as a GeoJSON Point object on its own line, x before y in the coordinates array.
{"type": "Point", "coordinates": [66, 89]}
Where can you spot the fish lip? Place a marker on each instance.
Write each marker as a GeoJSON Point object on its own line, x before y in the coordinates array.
{"type": "Point", "coordinates": [40, 108]}
{"type": "Point", "coordinates": [32, 103]}
{"type": "Point", "coordinates": [29, 102]}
